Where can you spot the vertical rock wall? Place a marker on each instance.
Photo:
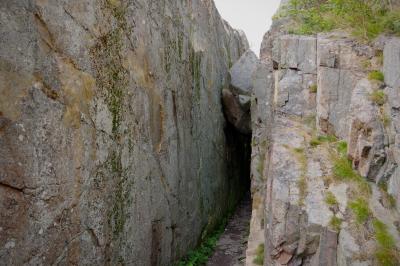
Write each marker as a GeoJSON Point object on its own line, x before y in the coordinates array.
{"type": "Point", "coordinates": [112, 145]}
{"type": "Point", "coordinates": [312, 98]}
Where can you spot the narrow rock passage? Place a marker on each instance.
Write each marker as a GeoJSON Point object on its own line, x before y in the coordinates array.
{"type": "Point", "coordinates": [231, 247]}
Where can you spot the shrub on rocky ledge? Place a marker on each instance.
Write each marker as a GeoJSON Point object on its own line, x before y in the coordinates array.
{"type": "Point", "coordinates": [387, 252]}
{"type": "Point", "coordinates": [360, 209]}
{"type": "Point", "coordinates": [259, 259]}
{"type": "Point", "coordinates": [376, 75]}
{"type": "Point", "coordinates": [365, 19]}
{"type": "Point", "coordinates": [335, 223]}
{"type": "Point", "coordinates": [330, 199]}
{"type": "Point", "coordinates": [378, 97]}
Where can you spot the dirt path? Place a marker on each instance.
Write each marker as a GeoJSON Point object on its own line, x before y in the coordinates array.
{"type": "Point", "coordinates": [231, 247]}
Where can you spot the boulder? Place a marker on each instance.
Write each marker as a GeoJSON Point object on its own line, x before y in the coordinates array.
{"type": "Point", "coordinates": [237, 99]}
{"type": "Point", "coordinates": [236, 113]}
{"type": "Point", "coordinates": [242, 72]}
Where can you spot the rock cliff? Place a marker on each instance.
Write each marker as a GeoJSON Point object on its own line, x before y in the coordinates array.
{"type": "Point", "coordinates": [125, 136]}
{"type": "Point", "coordinates": [113, 146]}
{"type": "Point", "coordinates": [325, 158]}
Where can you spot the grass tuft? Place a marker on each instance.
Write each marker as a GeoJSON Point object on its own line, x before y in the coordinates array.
{"type": "Point", "coordinates": [341, 147]}
{"type": "Point", "coordinates": [259, 259]}
{"type": "Point", "coordinates": [386, 253]}
{"type": "Point", "coordinates": [201, 254]}
{"type": "Point", "coordinates": [315, 142]}
{"type": "Point", "coordinates": [376, 75]}
{"type": "Point", "coordinates": [322, 139]}
{"type": "Point", "coordinates": [386, 120]}
{"type": "Point", "coordinates": [343, 169]}
{"type": "Point", "coordinates": [302, 185]}
{"type": "Point", "coordinates": [330, 199]}
{"type": "Point", "coordinates": [360, 210]}
{"type": "Point", "coordinates": [313, 88]}
{"type": "Point", "coordinates": [335, 223]}
{"type": "Point", "coordinates": [378, 97]}
{"type": "Point", "coordinates": [364, 19]}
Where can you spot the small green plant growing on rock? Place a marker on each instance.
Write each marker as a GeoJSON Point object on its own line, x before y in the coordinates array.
{"type": "Point", "coordinates": [260, 164]}
{"type": "Point", "coordinates": [259, 259]}
{"type": "Point", "coordinates": [314, 142]}
{"type": "Point", "coordinates": [330, 199]}
{"type": "Point", "coordinates": [360, 209]}
{"type": "Point", "coordinates": [335, 223]}
{"type": "Point", "coordinates": [387, 252]}
{"type": "Point", "coordinates": [386, 119]}
{"type": "Point", "coordinates": [313, 88]}
{"type": "Point", "coordinates": [376, 75]}
{"type": "Point", "coordinates": [366, 64]}
{"type": "Point", "coordinates": [379, 56]}
{"type": "Point", "coordinates": [341, 147]}
{"type": "Point", "coordinates": [322, 139]}
{"type": "Point", "coordinates": [392, 200]}
{"type": "Point", "coordinates": [365, 19]}
{"type": "Point", "coordinates": [301, 157]}
{"type": "Point", "coordinates": [302, 185]}
{"type": "Point", "coordinates": [343, 169]}
{"type": "Point", "coordinates": [298, 150]}
{"type": "Point", "coordinates": [378, 97]}
{"type": "Point", "coordinates": [327, 138]}
{"type": "Point", "coordinates": [202, 253]}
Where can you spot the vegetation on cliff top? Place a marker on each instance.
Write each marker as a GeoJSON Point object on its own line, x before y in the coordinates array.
{"type": "Point", "coordinates": [365, 18]}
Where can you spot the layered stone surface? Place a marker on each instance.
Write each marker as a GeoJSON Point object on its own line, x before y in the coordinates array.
{"type": "Point", "coordinates": [112, 144]}
{"type": "Point", "coordinates": [318, 98]}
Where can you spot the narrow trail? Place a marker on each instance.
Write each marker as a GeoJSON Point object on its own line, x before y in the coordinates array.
{"type": "Point", "coordinates": [231, 247]}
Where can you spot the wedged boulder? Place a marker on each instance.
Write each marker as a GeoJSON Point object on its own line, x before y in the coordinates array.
{"type": "Point", "coordinates": [237, 99]}
{"type": "Point", "coordinates": [241, 73]}
{"type": "Point", "coordinates": [366, 135]}
{"type": "Point", "coordinates": [237, 111]}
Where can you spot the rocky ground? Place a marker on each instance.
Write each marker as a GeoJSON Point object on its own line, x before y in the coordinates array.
{"type": "Point", "coordinates": [231, 247]}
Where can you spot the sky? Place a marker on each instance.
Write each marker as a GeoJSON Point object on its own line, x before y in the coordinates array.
{"type": "Point", "coordinates": [254, 17]}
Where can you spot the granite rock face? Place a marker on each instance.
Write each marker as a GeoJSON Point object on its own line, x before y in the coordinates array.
{"type": "Point", "coordinates": [329, 144]}
{"type": "Point", "coordinates": [112, 145]}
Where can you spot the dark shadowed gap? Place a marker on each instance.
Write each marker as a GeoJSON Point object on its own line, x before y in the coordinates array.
{"type": "Point", "coordinates": [238, 160]}
{"type": "Point", "coordinates": [231, 246]}
{"type": "Point", "coordinates": [226, 244]}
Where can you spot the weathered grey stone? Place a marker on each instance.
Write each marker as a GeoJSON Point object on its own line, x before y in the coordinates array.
{"type": "Point", "coordinates": [112, 145]}
{"type": "Point", "coordinates": [342, 107]}
{"type": "Point", "coordinates": [296, 52]}
{"type": "Point", "coordinates": [394, 186]}
{"type": "Point", "coordinates": [391, 63]}
{"type": "Point", "coordinates": [293, 92]}
{"type": "Point", "coordinates": [262, 119]}
{"type": "Point", "coordinates": [307, 55]}
{"type": "Point", "coordinates": [347, 248]}
{"type": "Point", "coordinates": [366, 135]}
{"type": "Point", "coordinates": [333, 100]}
{"type": "Point", "coordinates": [327, 250]}
{"type": "Point", "coordinates": [242, 72]}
